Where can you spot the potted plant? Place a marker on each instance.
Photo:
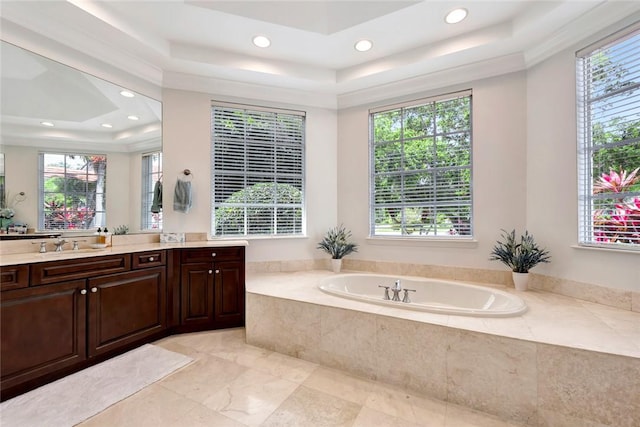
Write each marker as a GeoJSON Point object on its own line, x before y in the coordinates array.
{"type": "Point", "coordinates": [520, 256]}
{"type": "Point", "coordinates": [336, 243]}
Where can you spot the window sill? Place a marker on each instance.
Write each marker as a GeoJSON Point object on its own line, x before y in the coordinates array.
{"type": "Point", "coordinates": [213, 238]}
{"type": "Point", "coordinates": [603, 249]}
{"type": "Point", "coordinates": [423, 242]}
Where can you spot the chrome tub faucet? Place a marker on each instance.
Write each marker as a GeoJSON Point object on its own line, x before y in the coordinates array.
{"type": "Point", "coordinates": [396, 288]}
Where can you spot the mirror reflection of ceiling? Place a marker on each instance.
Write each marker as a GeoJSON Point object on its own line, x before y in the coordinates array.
{"type": "Point", "coordinates": [36, 90]}
{"type": "Point", "coordinates": [205, 45]}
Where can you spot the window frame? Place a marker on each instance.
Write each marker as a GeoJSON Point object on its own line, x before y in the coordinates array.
{"type": "Point", "coordinates": [588, 233]}
{"type": "Point", "coordinates": [149, 177]}
{"type": "Point", "coordinates": [468, 93]}
{"type": "Point", "coordinates": [298, 178]}
{"type": "Point", "coordinates": [102, 215]}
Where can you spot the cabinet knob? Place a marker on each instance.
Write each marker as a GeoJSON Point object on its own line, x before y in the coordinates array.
{"type": "Point", "coordinates": [210, 271]}
{"type": "Point", "coordinates": [83, 291]}
{"type": "Point", "coordinates": [94, 290]}
{"type": "Point", "coordinates": [151, 259]}
{"type": "Point", "coordinates": [217, 271]}
{"type": "Point", "coordinates": [213, 254]}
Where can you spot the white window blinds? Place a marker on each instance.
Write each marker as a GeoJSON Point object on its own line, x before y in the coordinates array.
{"type": "Point", "coordinates": [421, 168]}
{"type": "Point", "coordinates": [608, 83]}
{"type": "Point", "coordinates": [257, 171]}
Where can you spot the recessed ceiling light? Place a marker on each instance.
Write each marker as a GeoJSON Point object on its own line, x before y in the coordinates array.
{"type": "Point", "coordinates": [363, 45]}
{"type": "Point", "coordinates": [107, 125]}
{"type": "Point", "coordinates": [261, 41]}
{"type": "Point", "coordinates": [133, 117]}
{"type": "Point", "coordinates": [47, 124]}
{"type": "Point", "coordinates": [127, 94]}
{"type": "Point", "coordinates": [455, 16]}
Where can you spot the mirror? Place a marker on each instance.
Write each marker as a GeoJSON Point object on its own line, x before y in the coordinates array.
{"type": "Point", "coordinates": [48, 107]}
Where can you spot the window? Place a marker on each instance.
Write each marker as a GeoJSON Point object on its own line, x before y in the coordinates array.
{"type": "Point", "coordinates": [421, 168]}
{"type": "Point", "coordinates": [257, 171]}
{"type": "Point", "coordinates": [72, 191]}
{"type": "Point", "coordinates": [608, 83]}
{"type": "Point", "coordinates": [151, 192]}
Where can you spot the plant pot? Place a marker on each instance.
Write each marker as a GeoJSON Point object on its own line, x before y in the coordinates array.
{"type": "Point", "coordinates": [336, 265]}
{"type": "Point", "coordinates": [520, 280]}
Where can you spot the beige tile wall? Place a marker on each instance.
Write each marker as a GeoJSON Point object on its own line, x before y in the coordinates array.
{"type": "Point", "coordinates": [518, 380]}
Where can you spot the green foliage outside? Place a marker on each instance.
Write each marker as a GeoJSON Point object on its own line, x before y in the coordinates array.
{"type": "Point", "coordinates": [258, 204]}
{"type": "Point", "coordinates": [74, 194]}
{"type": "Point", "coordinates": [615, 146]}
{"type": "Point", "coordinates": [422, 160]}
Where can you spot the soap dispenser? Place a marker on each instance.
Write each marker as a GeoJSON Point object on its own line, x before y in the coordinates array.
{"type": "Point", "coordinates": [107, 237]}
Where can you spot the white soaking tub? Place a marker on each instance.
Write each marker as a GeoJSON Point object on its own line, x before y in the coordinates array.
{"type": "Point", "coordinates": [432, 295]}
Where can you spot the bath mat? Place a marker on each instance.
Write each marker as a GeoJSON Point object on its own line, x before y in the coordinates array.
{"type": "Point", "coordinates": [77, 397]}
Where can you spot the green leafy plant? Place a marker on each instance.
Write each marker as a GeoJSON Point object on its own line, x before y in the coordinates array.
{"type": "Point", "coordinates": [121, 229]}
{"type": "Point", "coordinates": [520, 256]}
{"type": "Point", "coordinates": [336, 243]}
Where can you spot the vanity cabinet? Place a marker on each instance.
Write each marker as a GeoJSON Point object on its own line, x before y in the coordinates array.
{"type": "Point", "coordinates": [125, 308]}
{"type": "Point", "coordinates": [72, 312]}
{"type": "Point", "coordinates": [59, 316]}
{"type": "Point", "coordinates": [43, 331]}
{"type": "Point", "coordinates": [212, 288]}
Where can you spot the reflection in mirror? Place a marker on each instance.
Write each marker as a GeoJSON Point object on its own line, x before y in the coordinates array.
{"type": "Point", "coordinates": [55, 122]}
{"type": "Point", "coordinates": [2, 192]}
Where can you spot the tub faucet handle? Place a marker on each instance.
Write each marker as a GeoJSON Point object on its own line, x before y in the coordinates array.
{"type": "Point", "coordinates": [406, 298]}
{"type": "Point", "coordinates": [386, 292]}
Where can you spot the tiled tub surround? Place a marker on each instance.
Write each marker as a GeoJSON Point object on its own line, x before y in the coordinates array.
{"type": "Point", "coordinates": [565, 362]}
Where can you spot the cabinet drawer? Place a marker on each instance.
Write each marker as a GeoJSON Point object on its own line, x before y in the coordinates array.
{"type": "Point", "coordinates": [148, 259]}
{"type": "Point", "coordinates": [14, 277]}
{"type": "Point", "coordinates": [52, 272]}
{"type": "Point", "coordinates": [230, 253]}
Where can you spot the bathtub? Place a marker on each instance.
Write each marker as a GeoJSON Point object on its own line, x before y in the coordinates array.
{"type": "Point", "coordinates": [432, 295]}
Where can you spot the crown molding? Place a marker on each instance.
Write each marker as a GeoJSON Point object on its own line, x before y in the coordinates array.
{"type": "Point", "coordinates": [236, 89]}
{"type": "Point", "coordinates": [601, 21]}
{"type": "Point", "coordinates": [436, 80]}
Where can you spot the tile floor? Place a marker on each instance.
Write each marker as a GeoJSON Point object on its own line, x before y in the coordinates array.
{"type": "Point", "coordinates": [231, 383]}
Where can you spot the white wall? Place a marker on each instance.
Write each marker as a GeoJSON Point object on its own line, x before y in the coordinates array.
{"type": "Point", "coordinates": [552, 205]}
{"type": "Point", "coordinates": [186, 145]}
{"type": "Point", "coordinates": [499, 176]}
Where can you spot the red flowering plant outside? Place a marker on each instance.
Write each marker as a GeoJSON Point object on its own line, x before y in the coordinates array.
{"type": "Point", "coordinates": [617, 218]}
{"type": "Point", "coordinates": [59, 217]}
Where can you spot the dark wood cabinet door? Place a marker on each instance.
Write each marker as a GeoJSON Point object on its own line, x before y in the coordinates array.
{"type": "Point", "coordinates": [43, 330]}
{"type": "Point", "coordinates": [125, 308]}
{"type": "Point", "coordinates": [197, 294]}
{"type": "Point", "coordinates": [229, 294]}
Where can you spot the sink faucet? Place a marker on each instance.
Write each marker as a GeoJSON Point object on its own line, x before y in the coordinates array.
{"type": "Point", "coordinates": [396, 288]}
{"type": "Point", "coordinates": [58, 243]}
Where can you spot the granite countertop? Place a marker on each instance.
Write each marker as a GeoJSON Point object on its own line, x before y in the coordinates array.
{"type": "Point", "coordinates": [8, 259]}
